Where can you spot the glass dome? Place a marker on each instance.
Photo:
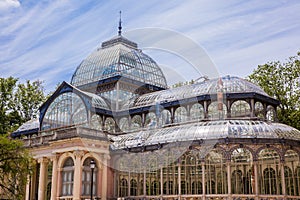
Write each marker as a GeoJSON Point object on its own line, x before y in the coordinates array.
{"type": "Point", "coordinates": [119, 56]}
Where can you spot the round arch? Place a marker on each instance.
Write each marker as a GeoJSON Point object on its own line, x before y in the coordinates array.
{"type": "Point", "coordinates": [96, 157]}
{"type": "Point", "coordinates": [63, 157]}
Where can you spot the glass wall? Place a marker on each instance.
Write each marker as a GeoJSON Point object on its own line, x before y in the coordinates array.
{"type": "Point", "coordinates": [184, 174]}
{"type": "Point", "coordinates": [67, 109]}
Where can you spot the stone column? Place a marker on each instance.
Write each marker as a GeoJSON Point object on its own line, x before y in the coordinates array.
{"type": "Point", "coordinates": [59, 182]}
{"type": "Point", "coordinates": [104, 177]}
{"type": "Point", "coordinates": [33, 184]}
{"type": "Point", "coordinates": [43, 178]}
{"type": "Point", "coordinates": [54, 177]}
{"type": "Point", "coordinates": [27, 188]}
{"type": "Point", "coordinates": [77, 174]}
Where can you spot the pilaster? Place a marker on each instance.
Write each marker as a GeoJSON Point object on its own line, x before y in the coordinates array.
{"type": "Point", "coordinates": [77, 174]}
{"type": "Point", "coordinates": [43, 178]}
{"type": "Point", "coordinates": [54, 160]}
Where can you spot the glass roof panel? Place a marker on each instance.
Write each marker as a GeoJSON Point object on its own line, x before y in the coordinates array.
{"type": "Point", "coordinates": [119, 59]}
{"type": "Point", "coordinates": [29, 125]}
{"type": "Point", "coordinates": [206, 130]}
{"type": "Point", "coordinates": [229, 84]}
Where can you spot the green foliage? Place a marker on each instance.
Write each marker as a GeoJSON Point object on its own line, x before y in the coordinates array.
{"type": "Point", "coordinates": [19, 102]}
{"type": "Point", "coordinates": [28, 98]}
{"type": "Point", "coordinates": [282, 81]}
{"type": "Point", "coordinates": [15, 166]}
{"type": "Point", "coordinates": [8, 114]}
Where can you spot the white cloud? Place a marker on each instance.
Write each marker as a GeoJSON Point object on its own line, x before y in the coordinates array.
{"type": "Point", "coordinates": [49, 39]}
{"type": "Point", "coordinates": [9, 4]}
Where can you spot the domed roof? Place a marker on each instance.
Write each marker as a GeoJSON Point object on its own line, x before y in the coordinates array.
{"type": "Point", "coordinates": [119, 56]}
{"type": "Point", "coordinates": [207, 130]}
{"type": "Point", "coordinates": [226, 84]}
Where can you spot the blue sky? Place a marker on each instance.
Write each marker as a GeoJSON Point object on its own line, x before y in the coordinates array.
{"type": "Point", "coordinates": [47, 40]}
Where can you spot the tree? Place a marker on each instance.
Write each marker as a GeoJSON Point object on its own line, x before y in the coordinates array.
{"type": "Point", "coordinates": [28, 99]}
{"type": "Point", "coordinates": [15, 167]}
{"type": "Point", "coordinates": [19, 102]}
{"type": "Point", "coordinates": [282, 81]}
{"type": "Point", "coordinates": [8, 114]}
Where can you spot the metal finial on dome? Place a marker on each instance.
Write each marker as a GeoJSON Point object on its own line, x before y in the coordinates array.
{"type": "Point", "coordinates": [120, 25]}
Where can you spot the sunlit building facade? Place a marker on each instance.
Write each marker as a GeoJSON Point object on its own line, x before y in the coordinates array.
{"type": "Point", "coordinates": [214, 139]}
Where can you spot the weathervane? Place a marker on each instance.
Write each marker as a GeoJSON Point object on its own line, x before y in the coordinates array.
{"type": "Point", "coordinates": [120, 25]}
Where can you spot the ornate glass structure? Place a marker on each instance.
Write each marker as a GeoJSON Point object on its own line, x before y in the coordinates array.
{"type": "Point", "coordinates": [216, 139]}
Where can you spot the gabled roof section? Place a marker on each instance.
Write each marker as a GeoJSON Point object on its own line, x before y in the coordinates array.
{"type": "Point", "coordinates": [91, 100]}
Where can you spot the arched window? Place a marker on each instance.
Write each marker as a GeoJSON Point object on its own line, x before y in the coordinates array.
{"type": "Point", "coordinates": [180, 115]}
{"type": "Point", "coordinates": [141, 189]}
{"type": "Point", "coordinates": [86, 178]}
{"type": "Point", "coordinates": [196, 187]}
{"type": "Point", "coordinates": [165, 117]}
{"type": "Point", "coordinates": [168, 187]}
{"type": "Point", "coordinates": [123, 188]}
{"type": "Point", "coordinates": [242, 164]}
{"type": "Point", "coordinates": [269, 174]}
{"type": "Point", "coordinates": [240, 108]}
{"type": "Point", "coordinates": [96, 122]}
{"type": "Point", "coordinates": [184, 186]}
{"type": "Point", "coordinates": [133, 187]}
{"type": "Point", "coordinates": [270, 181]}
{"type": "Point", "coordinates": [210, 187]}
{"type": "Point", "coordinates": [259, 110]}
{"type": "Point", "coordinates": [297, 180]}
{"type": "Point", "coordinates": [271, 113]}
{"type": "Point", "coordinates": [155, 188]}
{"type": "Point", "coordinates": [221, 184]}
{"type": "Point", "coordinates": [237, 182]}
{"type": "Point", "coordinates": [189, 173]}
{"type": "Point", "coordinates": [291, 159]}
{"type": "Point", "coordinates": [153, 175]}
{"type": "Point", "coordinates": [151, 120]}
{"type": "Point", "coordinates": [217, 110]}
{"type": "Point", "coordinates": [197, 112]}
{"type": "Point", "coordinates": [67, 109]}
{"type": "Point", "coordinates": [124, 124]}
{"type": "Point", "coordinates": [109, 125]}
{"type": "Point", "coordinates": [289, 185]}
{"type": "Point", "coordinates": [136, 122]}
{"type": "Point", "coordinates": [214, 164]}
{"type": "Point", "coordinates": [67, 177]}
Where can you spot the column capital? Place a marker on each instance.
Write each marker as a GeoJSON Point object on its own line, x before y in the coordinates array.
{"type": "Point", "coordinates": [106, 156]}
{"type": "Point", "coordinates": [78, 153]}
{"type": "Point", "coordinates": [43, 160]}
{"type": "Point", "coordinates": [54, 157]}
